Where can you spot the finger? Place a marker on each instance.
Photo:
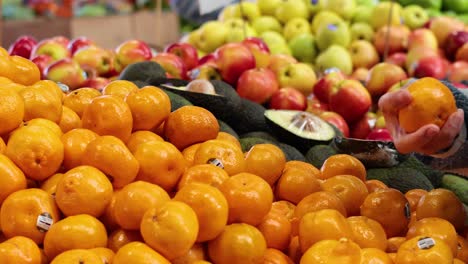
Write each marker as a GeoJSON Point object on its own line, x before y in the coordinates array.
{"type": "Point", "coordinates": [416, 141]}
{"type": "Point", "coordinates": [391, 103]}
{"type": "Point", "coordinates": [448, 133]}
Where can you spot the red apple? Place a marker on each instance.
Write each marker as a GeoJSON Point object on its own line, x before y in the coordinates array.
{"type": "Point", "coordinates": [324, 85]}
{"type": "Point", "coordinates": [314, 105]}
{"type": "Point", "coordinates": [78, 43]}
{"type": "Point", "coordinates": [350, 99]}
{"type": "Point", "coordinates": [462, 53]}
{"type": "Point", "coordinates": [66, 71]}
{"type": "Point", "coordinates": [22, 46]}
{"type": "Point", "coordinates": [93, 58]}
{"type": "Point", "coordinates": [208, 58]}
{"type": "Point", "coordinates": [131, 51]}
{"type": "Point", "coordinates": [207, 71]}
{"type": "Point", "coordinates": [257, 85]}
{"type": "Point", "coordinates": [288, 98]}
{"type": "Point", "coordinates": [172, 64]}
{"type": "Point", "coordinates": [398, 39]}
{"type": "Point", "coordinates": [97, 83]}
{"type": "Point", "coordinates": [260, 51]}
{"type": "Point", "coordinates": [430, 67]}
{"type": "Point", "coordinates": [443, 26]}
{"type": "Point", "coordinates": [64, 41]}
{"type": "Point", "coordinates": [362, 127]}
{"type": "Point", "coordinates": [397, 58]}
{"type": "Point", "coordinates": [337, 120]}
{"type": "Point", "coordinates": [422, 37]}
{"type": "Point", "coordinates": [233, 59]}
{"type": "Point", "coordinates": [382, 76]}
{"type": "Point", "coordinates": [187, 52]}
{"type": "Point", "coordinates": [415, 55]}
{"type": "Point", "coordinates": [277, 61]}
{"type": "Point", "coordinates": [458, 72]}
{"type": "Point", "coordinates": [454, 42]}
{"type": "Point", "coordinates": [360, 74]}
{"type": "Point", "coordinates": [42, 62]}
{"type": "Point", "coordinates": [51, 48]}
{"type": "Point", "coordinates": [380, 134]}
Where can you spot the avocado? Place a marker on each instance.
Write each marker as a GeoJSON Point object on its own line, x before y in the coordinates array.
{"type": "Point", "coordinates": [248, 143]}
{"type": "Point", "coordinates": [260, 134]}
{"type": "Point", "coordinates": [372, 153]}
{"type": "Point", "coordinates": [457, 184]}
{"type": "Point", "coordinates": [435, 176]}
{"type": "Point", "coordinates": [402, 179]}
{"type": "Point", "coordinates": [177, 101]}
{"type": "Point", "coordinates": [291, 152]}
{"type": "Point", "coordinates": [171, 82]}
{"type": "Point", "coordinates": [140, 84]}
{"type": "Point", "coordinates": [250, 117]}
{"type": "Point", "coordinates": [142, 71]}
{"type": "Point", "coordinates": [300, 129]}
{"type": "Point", "coordinates": [318, 154]}
{"type": "Point", "coordinates": [223, 127]}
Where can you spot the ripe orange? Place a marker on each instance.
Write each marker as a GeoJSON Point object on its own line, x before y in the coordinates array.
{"type": "Point", "coordinates": [210, 206]}
{"type": "Point", "coordinates": [390, 208]}
{"type": "Point", "coordinates": [78, 99]}
{"type": "Point", "coordinates": [11, 110]}
{"type": "Point", "coordinates": [108, 218]}
{"type": "Point", "coordinates": [413, 196]}
{"type": "Point", "coordinates": [458, 261]}
{"type": "Point", "coordinates": [69, 120]}
{"type": "Point", "coordinates": [189, 153]}
{"type": "Point", "coordinates": [249, 198]}
{"type": "Point", "coordinates": [195, 254]}
{"type": "Point", "coordinates": [351, 190]}
{"type": "Point", "coordinates": [20, 212]}
{"type": "Point", "coordinates": [108, 115]}
{"type": "Point", "coordinates": [373, 185]}
{"type": "Point", "coordinates": [462, 249]}
{"type": "Point", "coordinates": [374, 255]}
{"type": "Point", "coordinates": [45, 123]}
{"type": "Point", "coordinates": [227, 154]}
{"type": "Point", "coordinates": [161, 163]}
{"type": "Point", "coordinates": [83, 190]}
{"type": "Point", "coordinates": [238, 244]}
{"type": "Point", "coordinates": [276, 229]}
{"type": "Point", "coordinates": [322, 225]}
{"type": "Point", "coordinates": [266, 161]}
{"type": "Point", "coordinates": [138, 253]}
{"type": "Point", "coordinates": [203, 173]}
{"type": "Point", "coordinates": [297, 182]}
{"type": "Point", "coordinates": [294, 249]}
{"type": "Point", "coordinates": [150, 107]}
{"type": "Point", "coordinates": [106, 255]}
{"type": "Point", "coordinates": [367, 233]}
{"type": "Point", "coordinates": [394, 243]}
{"type": "Point", "coordinates": [42, 100]}
{"type": "Point", "coordinates": [318, 201]}
{"type": "Point", "coordinates": [343, 164]}
{"type": "Point", "coordinates": [120, 237]}
{"type": "Point", "coordinates": [442, 203]}
{"type": "Point", "coordinates": [77, 256]}
{"type": "Point", "coordinates": [133, 200]}
{"type": "Point", "coordinates": [283, 208]}
{"type": "Point", "coordinates": [2, 146]}
{"type": "Point", "coordinates": [424, 249]}
{"type": "Point", "coordinates": [170, 229]}
{"type": "Point", "coordinates": [435, 227]}
{"type": "Point", "coordinates": [74, 232]}
{"type": "Point", "coordinates": [275, 256]}
{"type": "Point", "coordinates": [37, 151]}
{"type": "Point", "coordinates": [19, 250]}
{"type": "Point", "coordinates": [419, 113]}
{"type": "Point", "coordinates": [75, 142]}
{"type": "Point", "coordinates": [119, 88]}
{"type": "Point", "coordinates": [110, 155]}
{"type": "Point", "coordinates": [228, 137]}
{"type": "Point", "coordinates": [50, 185]}
{"type": "Point", "coordinates": [189, 125]}
{"type": "Point", "coordinates": [342, 251]}
{"type": "Point", "coordinates": [142, 136]}
{"type": "Point", "coordinates": [12, 178]}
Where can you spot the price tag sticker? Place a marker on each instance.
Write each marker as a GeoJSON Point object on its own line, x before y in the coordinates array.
{"type": "Point", "coordinates": [216, 162]}
{"type": "Point", "coordinates": [426, 243]}
{"type": "Point", "coordinates": [43, 222]}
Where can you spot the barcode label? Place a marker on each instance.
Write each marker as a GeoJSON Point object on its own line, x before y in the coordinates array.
{"type": "Point", "coordinates": [216, 162]}
{"type": "Point", "coordinates": [426, 243]}
{"type": "Point", "coordinates": [44, 221]}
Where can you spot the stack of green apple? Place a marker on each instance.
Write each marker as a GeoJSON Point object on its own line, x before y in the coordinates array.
{"type": "Point", "coordinates": [454, 8]}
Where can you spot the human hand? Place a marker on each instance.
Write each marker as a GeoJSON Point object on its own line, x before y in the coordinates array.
{"type": "Point", "coordinates": [428, 139]}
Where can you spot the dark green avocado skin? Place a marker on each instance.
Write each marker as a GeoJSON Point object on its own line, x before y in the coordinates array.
{"type": "Point", "coordinates": [142, 71]}
{"type": "Point", "coordinates": [250, 117]}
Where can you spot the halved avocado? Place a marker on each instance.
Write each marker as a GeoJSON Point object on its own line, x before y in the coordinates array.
{"type": "Point", "coordinates": [372, 153]}
{"type": "Point", "coordinates": [142, 71]}
{"type": "Point", "coordinates": [300, 129]}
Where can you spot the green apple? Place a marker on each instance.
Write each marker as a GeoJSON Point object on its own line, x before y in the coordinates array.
{"type": "Point", "coordinates": [212, 35]}
{"type": "Point", "coordinates": [194, 37]}
{"type": "Point", "coordinates": [363, 14]}
{"type": "Point", "coordinates": [333, 34]}
{"type": "Point", "coordinates": [344, 8]}
{"type": "Point", "coordinates": [414, 16]}
{"type": "Point", "coordinates": [457, 6]}
{"type": "Point", "coordinates": [280, 48]}
{"type": "Point", "coordinates": [313, 6]}
{"type": "Point", "coordinates": [303, 47]}
{"type": "Point", "coordinates": [247, 10]}
{"type": "Point", "coordinates": [297, 75]}
{"type": "Point", "coordinates": [335, 56]}
{"type": "Point", "coordinates": [268, 7]}
{"type": "Point", "coordinates": [267, 23]}
{"type": "Point", "coordinates": [362, 31]}
{"type": "Point", "coordinates": [295, 27]}
{"type": "Point", "coordinates": [381, 14]}
{"type": "Point", "coordinates": [272, 37]}
{"type": "Point", "coordinates": [366, 2]}
{"type": "Point", "coordinates": [289, 9]}
{"type": "Point", "coordinates": [324, 17]}
{"type": "Point", "coordinates": [238, 34]}
{"type": "Point", "coordinates": [464, 18]}
{"type": "Point", "coordinates": [433, 13]}
{"type": "Point", "coordinates": [228, 12]}
{"type": "Point", "coordinates": [426, 4]}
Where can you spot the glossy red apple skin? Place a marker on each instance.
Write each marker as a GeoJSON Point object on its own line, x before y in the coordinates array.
{"type": "Point", "coordinates": [380, 134]}
{"type": "Point", "coordinates": [337, 120]}
{"type": "Point", "coordinates": [260, 51]}
{"type": "Point", "coordinates": [66, 71]}
{"type": "Point", "coordinates": [78, 43]}
{"type": "Point", "coordinates": [232, 60]}
{"type": "Point", "coordinates": [97, 83]}
{"type": "Point", "coordinates": [350, 99]}
{"type": "Point", "coordinates": [455, 41]}
{"type": "Point", "coordinates": [362, 127]}
{"type": "Point", "coordinates": [288, 98]}
{"type": "Point", "coordinates": [324, 85]}
{"type": "Point", "coordinates": [397, 58]}
{"type": "Point", "coordinates": [431, 67]}
{"type": "Point", "coordinates": [277, 61]}
{"type": "Point", "coordinates": [42, 62]}
{"type": "Point", "coordinates": [315, 106]}
{"type": "Point", "coordinates": [458, 72]}
{"type": "Point", "coordinates": [257, 42]}
{"type": "Point", "coordinates": [257, 85]}
{"type": "Point", "coordinates": [382, 76]}
{"type": "Point", "coordinates": [172, 64]}
{"type": "Point", "coordinates": [422, 37]}
{"type": "Point", "coordinates": [131, 51]}
{"type": "Point", "coordinates": [95, 59]}
{"type": "Point", "coordinates": [22, 46]}
{"type": "Point", "coordinates": [51, 48]}
{"type": "Point", "coordinates": [64, 41]}
{"type": "Point", "coordinates": [208, 58]}
{"type": "Point", "coordinates": [187, 52]}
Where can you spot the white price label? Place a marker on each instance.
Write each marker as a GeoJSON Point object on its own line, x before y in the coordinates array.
{"type": "Point", "coordinates": [44, 221]}
{"type": "Point", "coordinates": [426, 243]}
{"type": "Point", "coordinates": [216, 162]}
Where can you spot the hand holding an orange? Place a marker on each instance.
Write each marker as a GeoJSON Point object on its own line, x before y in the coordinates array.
{"type": "Point", "coordinates": [422, 117]}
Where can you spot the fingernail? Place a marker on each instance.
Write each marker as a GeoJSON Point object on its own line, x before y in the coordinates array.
{"type": "Point", "coordinates": [430, 132]}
